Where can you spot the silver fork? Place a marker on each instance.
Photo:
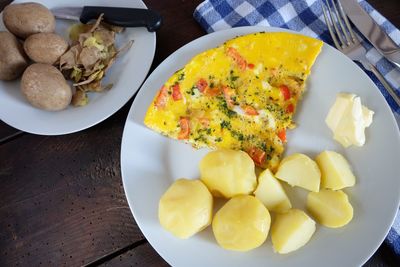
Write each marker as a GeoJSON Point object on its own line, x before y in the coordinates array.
{"type": "Point", "coordinates": [347, 42]}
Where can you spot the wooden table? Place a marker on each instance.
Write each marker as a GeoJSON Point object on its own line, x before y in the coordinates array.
{"type": "Point", "coordinates": [61, 198]}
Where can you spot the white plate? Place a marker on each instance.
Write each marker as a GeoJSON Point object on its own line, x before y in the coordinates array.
{"type": "Point", "coordinates": [151, 162]}
{"type": "Point", "coordinates": [127, 74]}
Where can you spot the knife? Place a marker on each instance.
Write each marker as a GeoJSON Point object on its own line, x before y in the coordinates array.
{"type": "Point", "coordinates": [118, 16]}
{"type": "Point", "coordinates": [368, 27]}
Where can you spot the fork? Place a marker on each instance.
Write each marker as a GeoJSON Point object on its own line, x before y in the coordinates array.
{"type": "Point", "coordinates": [347, 42]}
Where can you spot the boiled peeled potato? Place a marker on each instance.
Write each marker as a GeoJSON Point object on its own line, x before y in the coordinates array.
{"type": "Point", "coordinates": [271, 193]}
{"type": "Point", "coordinates": [291, 230]}
{"type": "Point", "coordinates": [241, 224]}
{"type": "Point", "coordinates": [185, 208]}
{"type": "Point", "coordinates": [330, 208]}
{"type": "Point", "coordinates": [228, 173]}
{"type": "Point", "coordinates": [335, 171]}
{"type": "Point", "coordinates": [299, 170]}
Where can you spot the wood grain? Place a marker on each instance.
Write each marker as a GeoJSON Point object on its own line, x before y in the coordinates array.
{"type": "Point", "coordinates": [389, 9]}
{"type": "Point", "coordinates": [62, 201]}
{"type": "Point", "coordinates": [143, 255]}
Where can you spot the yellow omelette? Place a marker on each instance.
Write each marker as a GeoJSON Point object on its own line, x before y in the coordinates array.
{"type": "Point", "coordinates": [241, 95]}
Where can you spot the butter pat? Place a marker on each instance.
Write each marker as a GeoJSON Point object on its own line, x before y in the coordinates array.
{"type": "Point", "coordinates": [348, 119]}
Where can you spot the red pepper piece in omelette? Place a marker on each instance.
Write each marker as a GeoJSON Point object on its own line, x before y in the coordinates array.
{"type": "Point", "coordinates": [202, 85]}
{"type": "Point", "coordinates": [234, 54]}
{"type": "Point", "coordinates": [258, 155]}
{"type": "Point", "coordinates": [285, 92]}
{"type": "Point", "coordinates": [162, 97]}
{"type": "Point", "coordinates": [176, 92]}
{"type": "Point", "coordinates": [282, 135]}
{"type": "Point", "coordinates": [184, 124]}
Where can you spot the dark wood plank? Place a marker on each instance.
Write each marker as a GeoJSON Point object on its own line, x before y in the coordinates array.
{"type": "Point", "coordinates": [7, 134]}
{"type": "Point", "coordinates": [3, 3]}
{"type": "Point", "coordinates": [179, 27]}
{"type": "Point", "coordinates": [62, 201]}
{"type": "Point", "coordinates": [143, 255]}
{"type": "Point", "coordinates": [389, 9]}
{"type": "Point", "coordinates": [62, 198]}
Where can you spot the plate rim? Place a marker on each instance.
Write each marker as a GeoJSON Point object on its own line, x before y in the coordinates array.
{"type": "Point", "coordinates": [250, 30]}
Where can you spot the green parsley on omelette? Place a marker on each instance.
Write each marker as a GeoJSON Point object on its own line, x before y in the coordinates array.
{"type": "Point", "coordinates": [240, 95]}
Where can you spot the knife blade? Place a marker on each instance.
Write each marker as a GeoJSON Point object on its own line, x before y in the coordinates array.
{"type": "Point", "coordinates": [371, 30]}
{"type": "Point", "coordinates": [118, 16]}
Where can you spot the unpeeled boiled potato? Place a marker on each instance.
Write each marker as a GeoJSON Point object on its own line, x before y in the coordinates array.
{"type": "Point", "coordinates": [241, 224]}
{"type": "Point", "coordinates": [45, 47]}
{"type": "Point", "coordinates": [185, 208]}
{"type": "Point", "coordinates": [28, 18]}
{"type": "Point", "coordinates": [228, 173]}
{"type": "Point", "coordinates": [13, 61]}
{"type": "Point", "coordinates": [45, 87]}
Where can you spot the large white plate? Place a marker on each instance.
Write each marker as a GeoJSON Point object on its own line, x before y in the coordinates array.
{"type": "Point", "coordinates": [127, 74]}
{"type": "Point", "coordinates": [151, 162]}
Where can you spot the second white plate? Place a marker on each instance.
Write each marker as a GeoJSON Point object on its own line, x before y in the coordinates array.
{"type": "Point", "coordinates": [126, 75]}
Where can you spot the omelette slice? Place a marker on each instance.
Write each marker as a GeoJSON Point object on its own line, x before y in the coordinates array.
{"type": "Point", "coordinates": [241, 95]}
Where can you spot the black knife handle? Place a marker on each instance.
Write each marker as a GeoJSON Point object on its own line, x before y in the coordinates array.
{"type": "Point", "coordinates": [124, 17]}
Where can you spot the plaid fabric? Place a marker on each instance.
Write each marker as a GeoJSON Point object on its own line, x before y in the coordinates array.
{"type": "Point", "coordinates": [306, 17]}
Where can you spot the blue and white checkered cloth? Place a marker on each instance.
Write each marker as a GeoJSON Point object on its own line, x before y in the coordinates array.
{"type": "Point", "coordinates": [306, 17]}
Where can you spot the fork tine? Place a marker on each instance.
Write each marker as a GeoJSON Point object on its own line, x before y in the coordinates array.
{"type": "Point", "coordinates": [329, 24]}
{"type": "Point", "coordinates": [346, 20]}
{"type": "Point", "coordinates": [334, 22]}
{"type": "Point", "coordinates": [340, 19]}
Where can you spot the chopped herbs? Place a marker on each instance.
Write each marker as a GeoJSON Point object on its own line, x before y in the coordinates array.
{"type": "Point", "coordinates": [191, 91]}
{"type": "Point", "coordinates": [225, 125]}
{"type": "Point", "coordinates": [181, 76]}
{"type": "Point", "coordinates": [234, 78]}
{"type": "Point", "coordinates": [223, 106]}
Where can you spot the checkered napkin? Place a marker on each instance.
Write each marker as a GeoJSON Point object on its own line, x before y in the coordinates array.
{"type": "Point", "coordinates": [306, 17]}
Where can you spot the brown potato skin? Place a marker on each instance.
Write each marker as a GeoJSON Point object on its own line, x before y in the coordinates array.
{"type": "Point", "coordinates": [28, 18]}
{"type": "Point", "coordinates": [44, 87]}
{"type": "Point", "coordinates": [45, 47]}
{"type": "Point", "coordinates": [12, 57]}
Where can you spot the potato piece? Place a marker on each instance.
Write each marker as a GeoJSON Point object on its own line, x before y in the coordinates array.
{"type": "Point", "coordinates": [185, 208]}
{"type": "Point", "coordinates": [45, 47]}
{"type": "Point", "coordinates": [299, 170]}
{"type": "Point", "coordinates": [291, 230]}
{"type": "Point", "coordinates": [271, 193]}
{"type": "Point", "coordinates": [13, 61]}
{"type": "Point", "coordinates": [45, 87]}
{"type": "Point", "coordinates": [28, 18]}
{"type": "Point", "coordinates": [335, 171]}
{"type": "Point", "coordinates": [241, 224]}
{"type": "Point", "coordinates": [330, 208]}
{"type": "Point", "coordinates": [228, 173]}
